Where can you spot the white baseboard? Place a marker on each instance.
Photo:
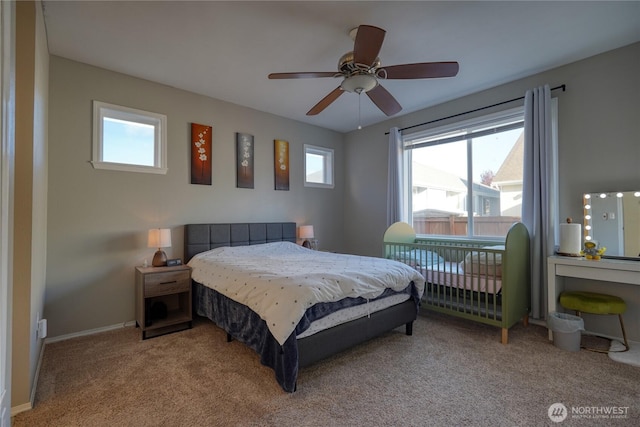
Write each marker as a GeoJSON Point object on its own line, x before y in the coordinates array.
{"type": "Point", "coordinates": [543, 323]}
{"type": "Point", "coordinates": [89, 332]}
{"type": "Point", "coordinates": [15, 410]}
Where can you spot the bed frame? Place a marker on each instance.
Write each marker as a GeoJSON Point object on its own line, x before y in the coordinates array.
{"type": "Point", "coordinates": [203, 237]}
{"type": "Point", "coordinates": [504, 308]}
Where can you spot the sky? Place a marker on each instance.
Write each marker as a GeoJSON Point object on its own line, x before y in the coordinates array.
{"type": "Point", "coordinates": [488, 154]}
{"type": "Point", "coordinates": [127, 142]}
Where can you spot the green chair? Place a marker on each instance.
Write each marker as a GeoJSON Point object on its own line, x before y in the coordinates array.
{"type": "Point", "coordinates": [595, 303]}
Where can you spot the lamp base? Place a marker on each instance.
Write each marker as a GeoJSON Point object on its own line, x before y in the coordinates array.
{"type": "Point", "coordinates": [159, 259]}
{"type": "Point", "coordinates": [307, 244]}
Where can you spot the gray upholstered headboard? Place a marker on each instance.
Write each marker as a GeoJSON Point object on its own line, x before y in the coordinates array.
{"type": "Point", "coordinates": [203, 237]}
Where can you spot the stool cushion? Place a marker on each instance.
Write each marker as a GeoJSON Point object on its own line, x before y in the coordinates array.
{"type": "Point", "coordinates": [591, 302]}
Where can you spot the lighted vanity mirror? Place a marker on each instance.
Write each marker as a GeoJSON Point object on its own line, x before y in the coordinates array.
{"type": "Point", "coordinates": [613, 220]}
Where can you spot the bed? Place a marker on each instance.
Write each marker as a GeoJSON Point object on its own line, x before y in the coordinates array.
{"type": "Point", "coordinates": [487, 281]}
{"type": "Point", "coordinates": [345, 299]}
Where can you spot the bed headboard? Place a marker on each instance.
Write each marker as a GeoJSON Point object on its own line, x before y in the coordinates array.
{"type": "Point", "coordinates": [203, 237]}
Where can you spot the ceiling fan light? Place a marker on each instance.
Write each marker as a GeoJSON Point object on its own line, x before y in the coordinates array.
{"type": "Point", "coordinates": [359, 83]}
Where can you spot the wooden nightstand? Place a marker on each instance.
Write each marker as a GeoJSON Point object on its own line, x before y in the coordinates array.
{"type": "Point", "coordinates": [163, 299]}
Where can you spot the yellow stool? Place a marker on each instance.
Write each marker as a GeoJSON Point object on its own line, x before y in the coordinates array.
{"type": "Point", "coordinates": [594, 303]}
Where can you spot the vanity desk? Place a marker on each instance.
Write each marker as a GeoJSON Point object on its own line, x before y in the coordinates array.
{"type": "Point", "coordinates": [607, 270]}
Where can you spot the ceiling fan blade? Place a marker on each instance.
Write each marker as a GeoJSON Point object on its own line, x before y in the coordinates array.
{"type": "Point", "coordinates": [303, 75]}
{"type": "Point", "coordinates": [423, 70]}
{"type": "Point", "coordinates": [326, 101]}
{"type": "Point", "coordinates": [367, 44]}
{"type": "Point", "coordinates": [384, 100]}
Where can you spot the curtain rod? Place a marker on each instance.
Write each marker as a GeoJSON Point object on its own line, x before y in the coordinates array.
{"type": "Point", "coordinates": [563, 87]}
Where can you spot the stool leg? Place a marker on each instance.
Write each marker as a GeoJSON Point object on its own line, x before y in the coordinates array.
{"type": "Point", "coordinates": [624, 335]}
{"type": "Point", "coordinates": [581, 346]}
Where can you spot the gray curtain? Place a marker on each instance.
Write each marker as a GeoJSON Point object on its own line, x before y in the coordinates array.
{"type": "Point", "coordinates": [538, 191]}
{"type": "Point", "coordinates": [395, 195]}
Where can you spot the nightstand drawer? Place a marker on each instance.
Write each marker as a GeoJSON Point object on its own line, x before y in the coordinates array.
{"type": "Point", "coordinates": [167, 276]}
{"type": "Point", "coordinates": [166, 283]}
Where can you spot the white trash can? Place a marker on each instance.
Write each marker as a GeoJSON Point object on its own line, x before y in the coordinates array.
{"type": "Point", "coordinates": [567, 330]}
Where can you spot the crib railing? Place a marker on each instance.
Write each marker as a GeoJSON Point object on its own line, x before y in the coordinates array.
{"type": "Point", "coordinates": [461, 276]}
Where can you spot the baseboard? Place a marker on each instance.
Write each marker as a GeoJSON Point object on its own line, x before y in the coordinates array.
{"type": "Point", "coordinates": [541, 322]}
{"type": "Point", "coordinates": [15, 410]}
{"type": "Point", "coordinates": [538, 322]}
{"type": "Point", "coordinates": [89, 332]}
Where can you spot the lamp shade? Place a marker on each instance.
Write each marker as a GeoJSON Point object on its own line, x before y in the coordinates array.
{"type": "Point", "coordinates": [306, 231]}
{"type": "Point", "coordinates": [159, 238]}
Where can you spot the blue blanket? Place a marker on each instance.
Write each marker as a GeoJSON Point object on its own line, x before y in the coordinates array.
{"type": "Point", "coordinates": [246, 326]}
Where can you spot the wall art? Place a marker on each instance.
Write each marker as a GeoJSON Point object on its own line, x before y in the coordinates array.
{"type": "Point", "coordinates": [244, 160]}
{"type": "Point", "coordinates": [281, 164]}
{"type": "Point", "coordinates": [200, 154]}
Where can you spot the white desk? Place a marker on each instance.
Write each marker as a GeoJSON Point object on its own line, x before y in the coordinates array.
{"type": "Point", "coordinates": [607, 270]}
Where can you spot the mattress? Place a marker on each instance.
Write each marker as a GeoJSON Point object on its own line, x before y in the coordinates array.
{"type": "Point", "coordinates": [280, 281]}
{"type": "Point", "coordinates": [352, 313]}
{"type": "Point", "coordinates": [453, 275]}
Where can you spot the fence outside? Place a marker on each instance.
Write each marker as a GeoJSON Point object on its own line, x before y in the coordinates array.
{"type": "Point", "coordinates": [457, 225]}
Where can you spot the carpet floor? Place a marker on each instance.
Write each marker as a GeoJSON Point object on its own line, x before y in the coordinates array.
{"type": "Point", "coordinates": [451, 372]}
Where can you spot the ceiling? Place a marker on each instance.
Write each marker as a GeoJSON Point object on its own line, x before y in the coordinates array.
{"type": "Point", "coordinates": [225, 50]}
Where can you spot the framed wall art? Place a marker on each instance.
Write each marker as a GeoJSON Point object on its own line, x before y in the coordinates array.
{"type": "Point", "coordinates": [244, 160]}
{"type": "Point", "coordinates": [200, 154]}
{"type": "Point", "coordinates": [281, 164]}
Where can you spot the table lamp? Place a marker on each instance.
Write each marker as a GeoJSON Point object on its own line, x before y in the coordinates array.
{"type": "Point", "coordinates": [159, 238]}
{"type": "Point", "coordinates": [306, 233]}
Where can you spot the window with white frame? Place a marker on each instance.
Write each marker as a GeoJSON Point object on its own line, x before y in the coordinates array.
{"type": "Point", "coordinates": [127, 139]}
{"type": "Point", "coordinates": [466, 179]}
{"type": "Point", "coordinates": [318, 166]}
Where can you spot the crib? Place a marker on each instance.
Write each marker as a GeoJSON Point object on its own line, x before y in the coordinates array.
{"type": "Point", "coordinates": [487, 281]}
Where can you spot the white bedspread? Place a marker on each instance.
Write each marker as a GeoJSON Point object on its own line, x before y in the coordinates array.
{"type": "Point", "coordinates": [279, 281]}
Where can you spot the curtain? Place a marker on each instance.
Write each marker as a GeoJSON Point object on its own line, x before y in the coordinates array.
{"type": "Point", "coordinates": [538, 191]}
{"type": "Point", "coordinates": [395, 195]}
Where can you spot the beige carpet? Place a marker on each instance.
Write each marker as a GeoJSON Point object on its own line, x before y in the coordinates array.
{"type": "Point", "coordinates": [450, 372]}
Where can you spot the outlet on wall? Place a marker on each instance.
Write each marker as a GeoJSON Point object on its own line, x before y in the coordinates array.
{"type": "Point", "coordinates": [41, 327]}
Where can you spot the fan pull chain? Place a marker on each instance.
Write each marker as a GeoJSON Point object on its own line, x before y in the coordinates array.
{"type": "Point", "coordinates": [359, 109]}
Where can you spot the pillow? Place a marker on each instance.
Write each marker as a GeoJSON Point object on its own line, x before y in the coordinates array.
{"type": "Point", "coordinates": [484, 263]}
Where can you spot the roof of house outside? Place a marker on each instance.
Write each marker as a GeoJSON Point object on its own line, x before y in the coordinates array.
{"type": "Point", "coordinates": [480, 189]}
{"type": "Point", "coordinates": [429, 177]}
{"type": "Point", "coordinates": [511, 169]}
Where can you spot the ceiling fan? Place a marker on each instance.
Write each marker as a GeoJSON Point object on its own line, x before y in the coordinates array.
{"type": "Point", "coordinates": [361, 70]}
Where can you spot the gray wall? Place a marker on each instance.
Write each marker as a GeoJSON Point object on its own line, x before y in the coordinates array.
{"type": "Point", "coordinates": [98, 219]}
{"type": "Point", "coordinates": [599, 148]}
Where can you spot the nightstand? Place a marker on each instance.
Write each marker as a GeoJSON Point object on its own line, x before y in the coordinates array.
{"type": "Point", "coordinates": [163, 299]}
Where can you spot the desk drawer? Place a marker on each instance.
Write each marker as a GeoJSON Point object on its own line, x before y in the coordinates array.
{"type": "Point", "coordinates": [167, 283]}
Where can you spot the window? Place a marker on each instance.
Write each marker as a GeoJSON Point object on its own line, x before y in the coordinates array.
{"type": "Point", "coordinates": [126, 139]}
{"type": "Point", "coordinates": [466, 178]}
{"type": "Point", "coordinates": [318, 166]}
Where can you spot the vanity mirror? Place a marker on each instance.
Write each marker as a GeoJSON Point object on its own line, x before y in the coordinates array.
{"type": "Point", "coordinates": [613, 220]}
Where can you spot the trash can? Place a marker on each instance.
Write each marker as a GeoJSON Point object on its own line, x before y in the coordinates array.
{"type": "Point", "coordinates": [567, 330]}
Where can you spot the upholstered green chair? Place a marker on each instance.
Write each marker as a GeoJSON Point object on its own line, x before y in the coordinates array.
{"type": "Point", "coordinates": [595, 303]}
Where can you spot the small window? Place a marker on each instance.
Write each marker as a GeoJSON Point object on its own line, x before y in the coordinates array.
{"type": "Point", "coordinates": [127, 139]}
{"type": "Point", "coordinates": [318, 167]}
